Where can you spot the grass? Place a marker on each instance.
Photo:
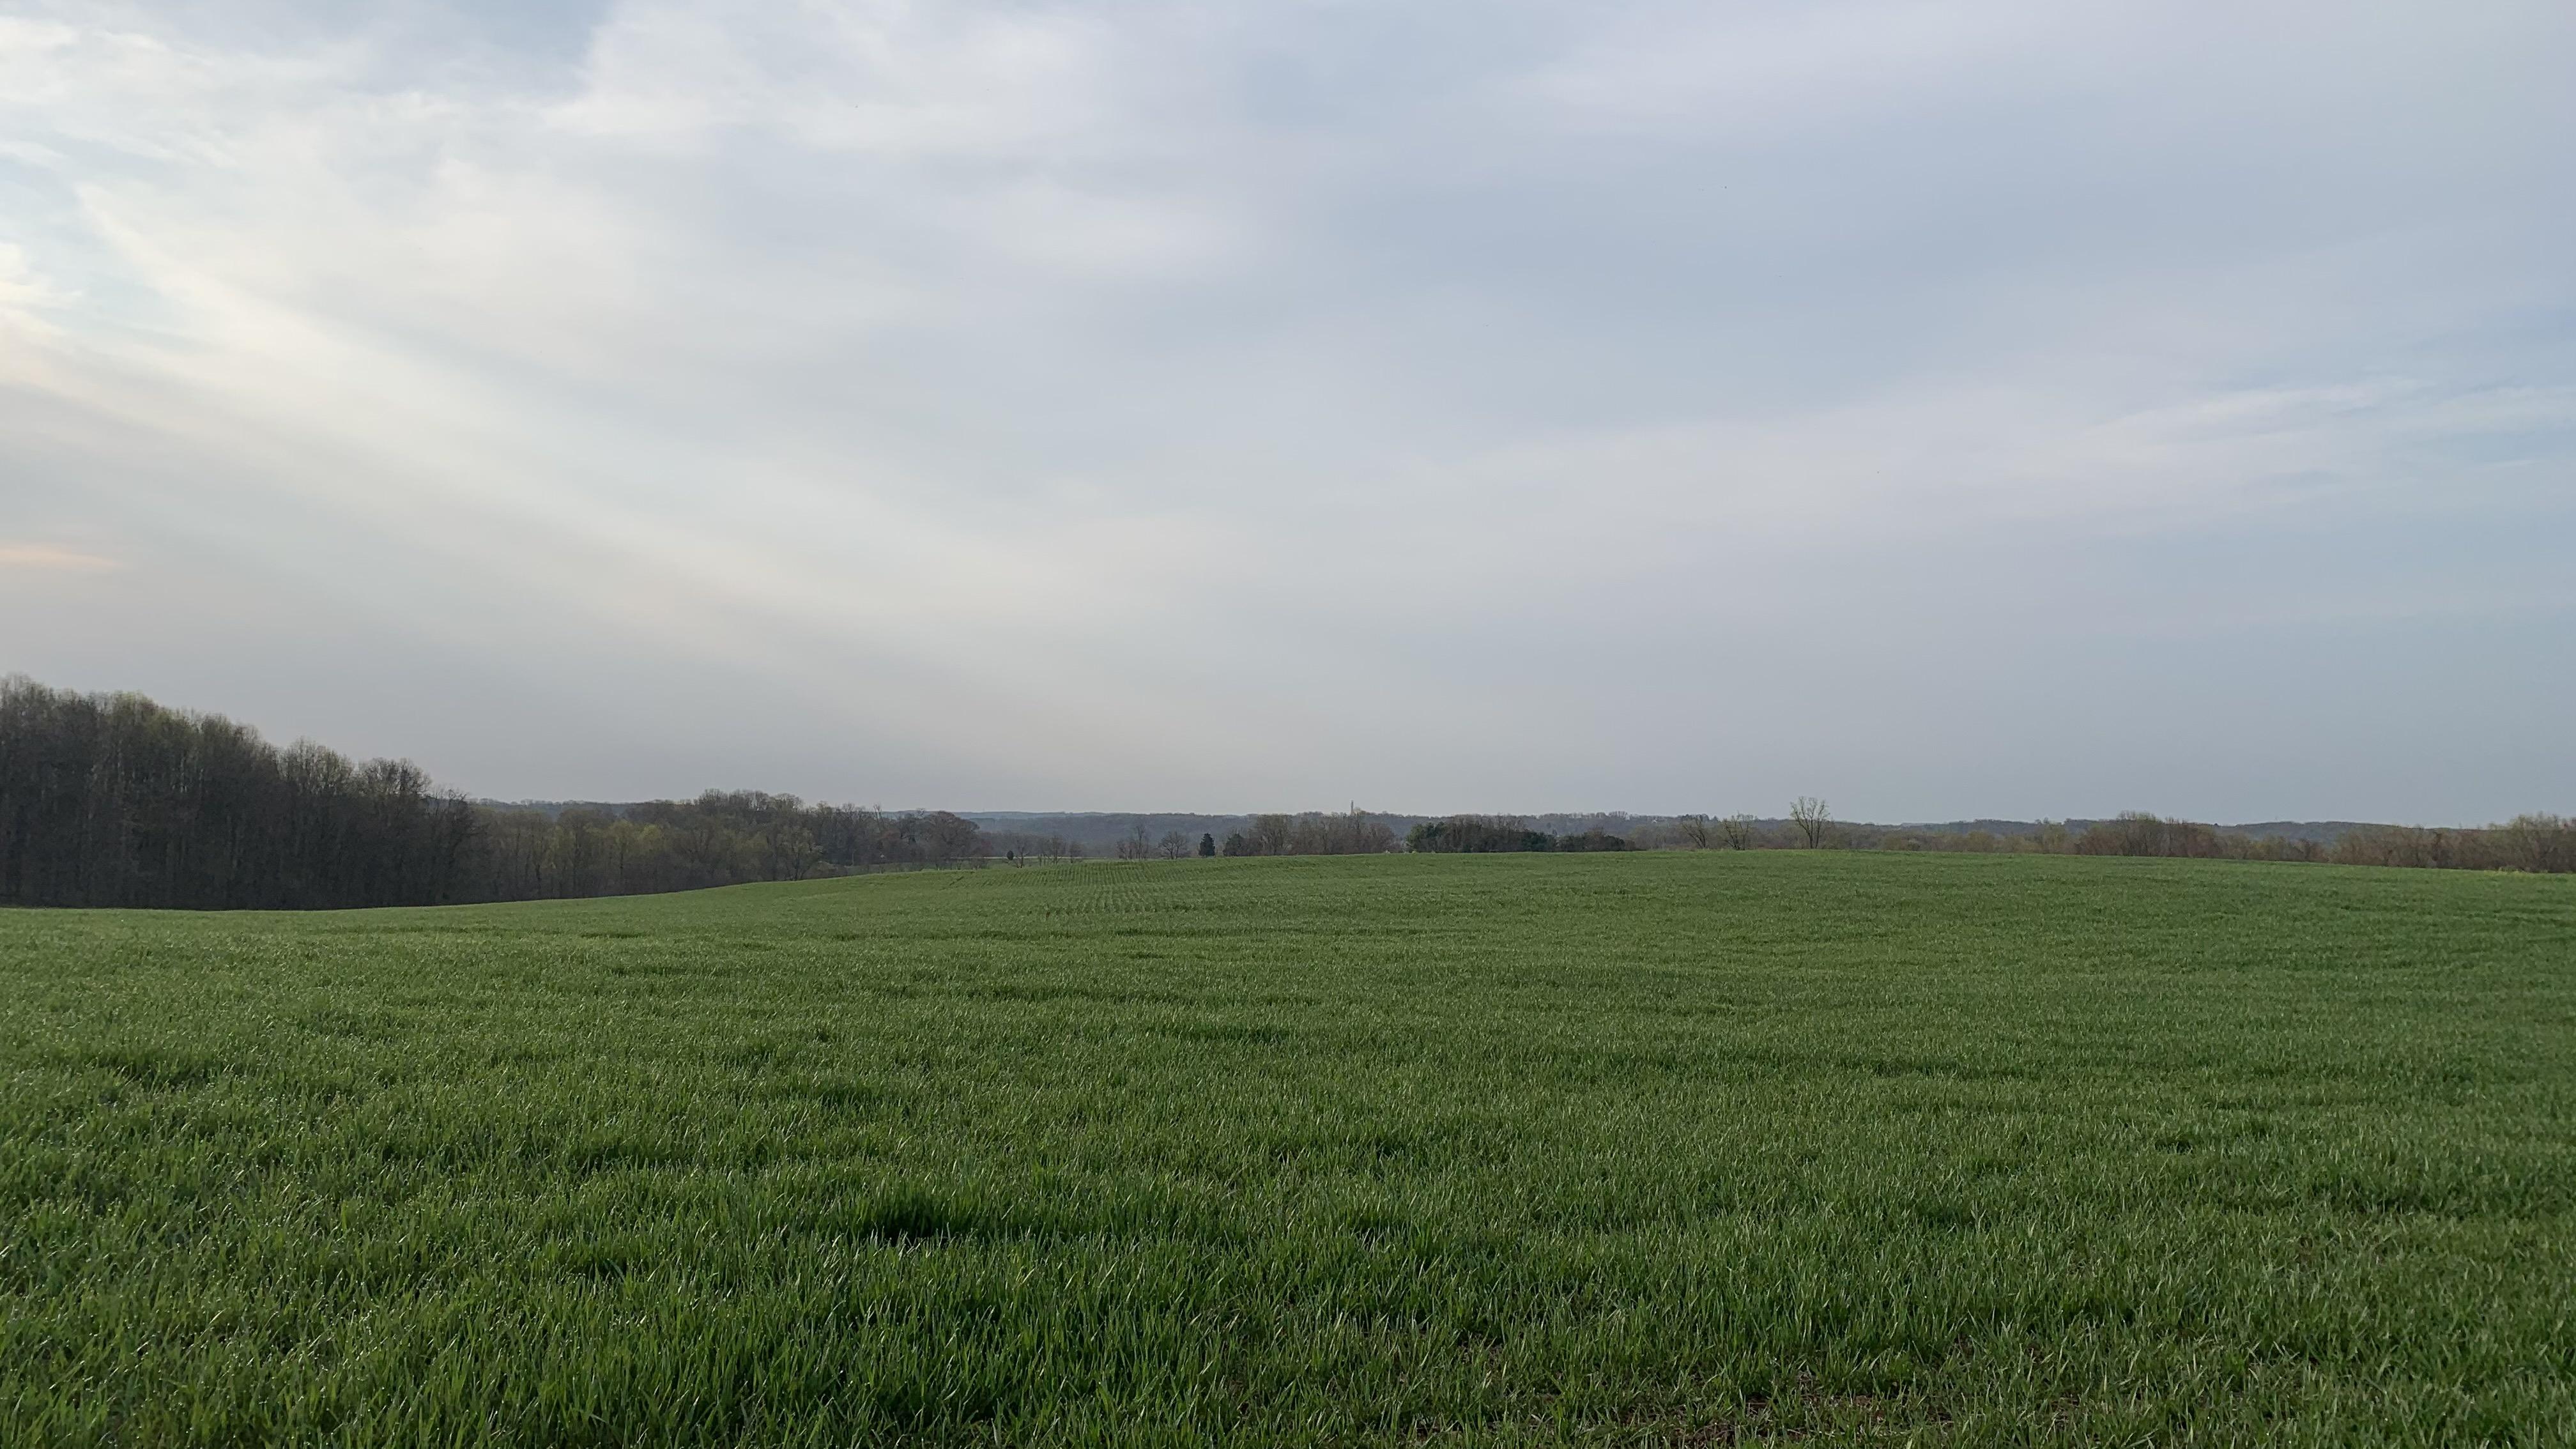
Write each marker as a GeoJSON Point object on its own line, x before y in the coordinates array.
{"type": "Point", "coordinates": [1508, 1150]}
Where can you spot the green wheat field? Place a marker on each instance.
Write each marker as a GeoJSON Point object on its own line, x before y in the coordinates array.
{"type": "Point", "coordinates": [1650, 1149]}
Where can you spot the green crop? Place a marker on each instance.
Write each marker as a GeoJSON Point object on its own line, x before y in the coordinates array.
{"type": "Point", "coordinates": [1666, 1148]}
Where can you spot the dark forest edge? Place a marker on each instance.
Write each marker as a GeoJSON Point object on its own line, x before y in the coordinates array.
{"type": "Point", "coordinates": [111, 800]}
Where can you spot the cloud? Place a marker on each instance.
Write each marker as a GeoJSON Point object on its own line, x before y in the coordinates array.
{"type": "Point", "coordinates": [1224, 389]}
{"type": "Point", "coordinates": [879, 78]}
{"type": "Point", "coordinates": [1769, 69]}
{"type": "Point", "coordinates": [52, 558]}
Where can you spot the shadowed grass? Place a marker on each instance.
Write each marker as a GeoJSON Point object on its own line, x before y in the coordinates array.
{"type": "Point", "coordinates": [1496, 1150]}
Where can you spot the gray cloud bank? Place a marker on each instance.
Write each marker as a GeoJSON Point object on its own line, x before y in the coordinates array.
{"type": "Point", "coordinates": [1963, 409]}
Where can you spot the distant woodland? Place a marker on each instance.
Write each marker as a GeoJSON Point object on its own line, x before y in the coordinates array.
{"type": "Point", "coordinates": [113, 800]}
{"type": "Point", "coordinates": [2538, 843]}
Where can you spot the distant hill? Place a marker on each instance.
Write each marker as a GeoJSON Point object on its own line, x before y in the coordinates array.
{"type": "Point", "coordinates": [551, 809]}
{"type": "Point", "coordinates": [2323, 832]}
{"type": "Point", "coordinates": [1094, 829]}
{"type": "Point", "coordinates": [1100, 829]}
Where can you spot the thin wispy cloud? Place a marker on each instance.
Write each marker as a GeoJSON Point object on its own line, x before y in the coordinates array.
{"type": "Point", "coordinates": [52, 558]}
{"type": "Point", "coordinates": [1453, 406]}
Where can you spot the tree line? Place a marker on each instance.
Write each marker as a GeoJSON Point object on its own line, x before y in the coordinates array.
{"type": "Point", "coordinates": [2536, 843]}
{"type": "Point", "coordinates": [1314, 832]}
{"type": "Point", "coordinates": [112, 800]}
{"type": "Point", "coordinates": [723, 837]}
{"type": "Point", "coordinates": [1492, 834]}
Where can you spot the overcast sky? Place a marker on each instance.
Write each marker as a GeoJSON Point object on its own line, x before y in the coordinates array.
{"type": "Point", "coordinates": [1972, 408]}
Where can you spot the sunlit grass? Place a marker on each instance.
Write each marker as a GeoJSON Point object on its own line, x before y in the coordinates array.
{"type": "Point", "coordinates": [1668, 1148]}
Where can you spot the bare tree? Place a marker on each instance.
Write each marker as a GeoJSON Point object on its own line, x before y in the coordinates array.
{"type": "Point", "coordinates": [1173, 845]}
{"type": "Point", "coordinates": [1813, 819]}
{"type": "Point", "coordinates": [1737, 831]}
{"type": "Point", "coordinates": [1694, 830]}
{"type": "Point", "coordinates": [1271, 834]}
{"type": "Point", "coordinates": [2537, 842]}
